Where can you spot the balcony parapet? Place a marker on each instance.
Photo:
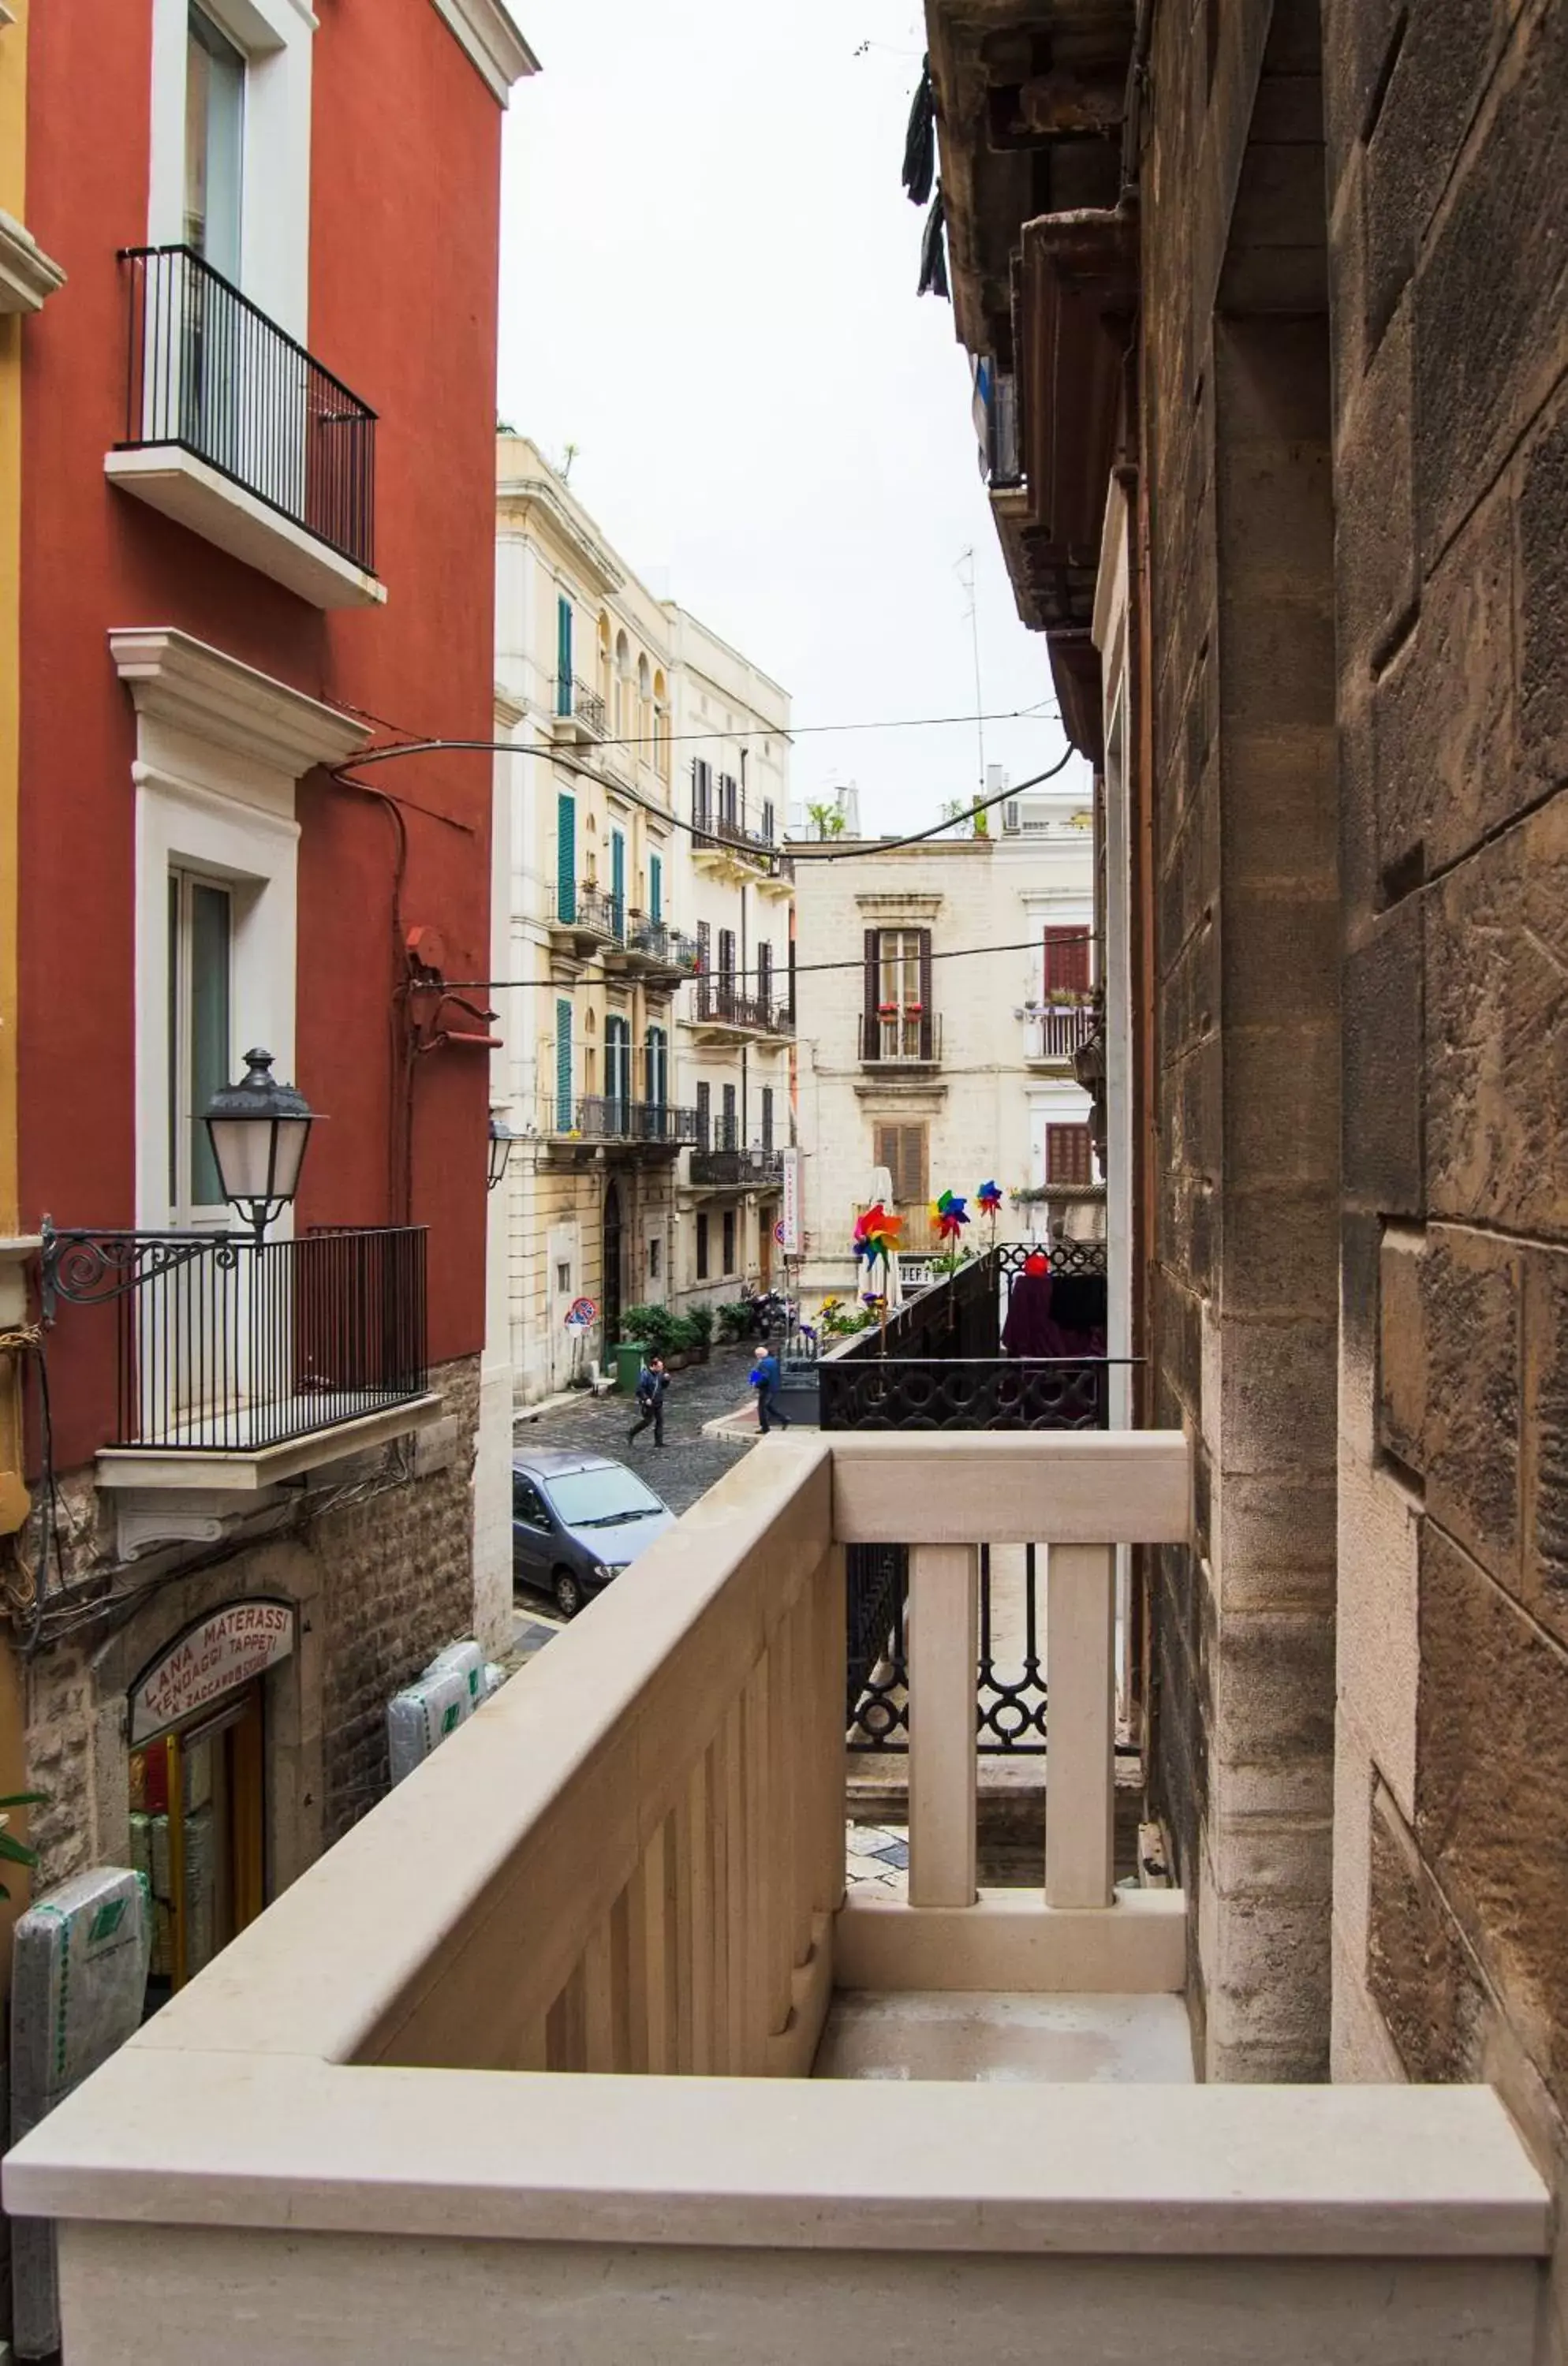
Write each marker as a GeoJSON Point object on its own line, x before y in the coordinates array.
{"type": "Point", "coordinates": [632, 1864]}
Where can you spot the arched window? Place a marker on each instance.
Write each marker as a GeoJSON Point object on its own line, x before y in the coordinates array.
{"type": "Point", "coordinates": [656, 1062]}
{"type": "Point", "coordinates": [603, 684]}
{"type": "Point", "coordinates": [643, 710]}
{"type": "Point", "coordinates": [618, 1074]}
{"type": "Point", "coordinates": [624, 722]}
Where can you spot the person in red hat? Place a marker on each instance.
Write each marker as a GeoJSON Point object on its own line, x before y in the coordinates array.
{"type": "Point", "coordinates": [1029, 1329]}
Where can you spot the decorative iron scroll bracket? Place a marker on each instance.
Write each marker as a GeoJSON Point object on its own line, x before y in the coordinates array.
{"type": "Point", "coordinates": [90, 1268]}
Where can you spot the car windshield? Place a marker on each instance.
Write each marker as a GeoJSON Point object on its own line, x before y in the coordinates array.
{"type": "Point", "coordinates": [596, 1499]}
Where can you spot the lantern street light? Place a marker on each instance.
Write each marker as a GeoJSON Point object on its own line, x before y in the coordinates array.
{"type": "Point", "coordinates": [259, 1129]}
{"type": "Point", "coordinates": [501, 1138]}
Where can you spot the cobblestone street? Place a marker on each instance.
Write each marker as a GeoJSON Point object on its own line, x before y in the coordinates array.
{"type": "Point", "coordinates": [683, 1470]}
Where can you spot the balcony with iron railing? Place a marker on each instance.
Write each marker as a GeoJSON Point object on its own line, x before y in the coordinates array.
{"type": "Point", "coordinates": [722, 1012]}
{"type": "Point", "coordinates": [235, 431]}
{"type": "Point", "coordinates": [726, 1164]}
{"type": "Point", "coordinates": [726, 841]}
{"type": "Point", "coordinates": [240, 1361]}
{"type": "Point", "coordinates": [570, 2026]}
{"type": "Point", "coordinates": [584, 919]}
{"type": "Point", "coordinates": [615, 1123]}
{"type": "Point", "coordinates": [578, 714]}
{"type": "Point", "coordinates": [660, 956]}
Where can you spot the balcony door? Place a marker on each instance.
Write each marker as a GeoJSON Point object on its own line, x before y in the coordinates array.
{"type": "Point", "coordinates": [215, 144]}
{"type": "Point", "coordinates": [897, 989]}
{"type": "Point", "coordinates": [618, 1076]}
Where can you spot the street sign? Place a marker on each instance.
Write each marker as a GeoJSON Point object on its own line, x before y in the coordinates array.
{"type": "Point", "coordinates": [788, 1233]}
{"type": "Point", "coordinates": [581, 1315]}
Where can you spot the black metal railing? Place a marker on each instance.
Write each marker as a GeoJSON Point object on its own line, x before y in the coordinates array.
{"type": "Point", "coordinates": [588, 910]}
{"type": "Point", "coordinates": [720, 1004]}
{"type": "Point", "coordinates": [228, 1345]}
{"type": "Point", "coordinates": [720, 821]}
{"type": "Point", "coordinates": [963, 1392]}
{"type": "Point", "coordinates": [209, 371]}
{"type": "Point", "coordinates": [1011, 1696]}
{"type": "Point", "coordinates": [663, 947]}
{"type": "Point", "coordinates": [727, 1166]}
{"type": "Point", "coordinates": [573, 698]}
{"type": "Point", "coordinates": [613, 1118]}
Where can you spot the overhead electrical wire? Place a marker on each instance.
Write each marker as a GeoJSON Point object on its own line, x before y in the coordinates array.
{"type": "Point", "coordinates": [1043, 709]}
{"type": "Point", "coordinates": [732, 978]}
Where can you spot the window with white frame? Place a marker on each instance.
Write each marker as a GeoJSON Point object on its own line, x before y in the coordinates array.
{"type": "Point", "coordinates": [200, 1014]}
{"type": "Point", "coordinates": [214, 147]}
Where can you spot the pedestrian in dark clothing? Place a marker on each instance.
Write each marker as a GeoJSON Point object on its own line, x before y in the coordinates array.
{"type": "Point", "coordinates": [652, 1387]}
{"type": "Point", "coordinates": [1030, 1329]}
{"type": "Point", "coordinates": [766, 1379]}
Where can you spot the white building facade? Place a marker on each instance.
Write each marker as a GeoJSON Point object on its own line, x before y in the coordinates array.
{"type": "Point", "coordinates": [645, 941]}
{"type": "Point", "coordinates": [943, 993]}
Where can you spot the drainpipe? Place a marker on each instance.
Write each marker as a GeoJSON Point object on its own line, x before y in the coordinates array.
{"type": "Point", "coordinates": [1133, 105]}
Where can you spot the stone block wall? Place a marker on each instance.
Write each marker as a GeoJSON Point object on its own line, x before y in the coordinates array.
{"type": "Point", "coordinates": [1448, 182]}
{"type": "Point", "coordinates": [1236, 458]}
{"type": "Point", "coordinates": [378, 1558]}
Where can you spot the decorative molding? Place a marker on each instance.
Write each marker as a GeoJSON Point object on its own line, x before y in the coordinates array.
{"type": "Point", "coordinates": [509, 711]}
{"type": "Point", "coordinates": [888, 910]}
{"type": "Point", "coordinates": [486, 31]}
{"type": "Point", "coordinates": [26, 274]}
{"type": "Point", "coordinates": [515, 496]}
{"type": "Point", "coordinates": [179, 681]}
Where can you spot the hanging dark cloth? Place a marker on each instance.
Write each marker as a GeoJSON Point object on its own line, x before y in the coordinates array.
{"type": "Point", "coordinates": [1029, 1329]}
{"type": "Point", "coordinates": [920, 141]}
{"type": "Point", "coordinates": [933, 252]}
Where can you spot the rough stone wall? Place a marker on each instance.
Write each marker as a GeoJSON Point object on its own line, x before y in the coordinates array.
{"type": "Point", "coordinates": [1447, 174]}
{"type": "Point", "coordinates": [381, 1582]}
{"type": "Point", "coordinates": [1235, 376]}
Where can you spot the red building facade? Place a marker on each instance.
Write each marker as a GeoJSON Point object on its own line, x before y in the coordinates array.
{"type": "Point", "coordinates": [256, 540]}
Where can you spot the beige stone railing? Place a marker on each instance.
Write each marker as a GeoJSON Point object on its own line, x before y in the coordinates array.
{"type": "Point", "coordinates": [349, 2138]}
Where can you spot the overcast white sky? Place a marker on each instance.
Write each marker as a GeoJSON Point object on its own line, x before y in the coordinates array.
{"type": "Point", "coordinates": [708, 272]}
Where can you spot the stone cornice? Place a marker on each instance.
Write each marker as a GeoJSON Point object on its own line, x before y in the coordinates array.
{"type": "Point", "coordinates": [515, 496]}
{"type": "Point", "coordinates": [26, 274]}
{"type": "Point", "coordinates": [181, 681]}
{"type": "Point", "coordinates": [488, 33]}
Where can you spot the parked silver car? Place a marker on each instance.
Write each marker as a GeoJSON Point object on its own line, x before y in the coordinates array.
{"type": "Point", "coordinates": [577, 1520]}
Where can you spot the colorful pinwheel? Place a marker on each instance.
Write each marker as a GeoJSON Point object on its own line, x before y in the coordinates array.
{"type": "Point", "coordinates": [876, 1235]}
{"type": "Point", "coordinates": [988, 1198]}
{"type": "Point", "coordinates": [950, 1214]}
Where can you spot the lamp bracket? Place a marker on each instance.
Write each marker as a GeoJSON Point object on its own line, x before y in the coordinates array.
{"type": "Point", "coordinates": [89, 1269]}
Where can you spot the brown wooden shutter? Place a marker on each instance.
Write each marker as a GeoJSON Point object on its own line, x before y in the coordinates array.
{"type": "Point", "coordinates": [871, 1032]}
{"type": "Point", "coordinates": [1069, 1158]}
{"type": "Point", "coordinates": [916, 1186]}
{"type": "Point", "coordinates": [1066, 960]}
{"type": "Point", "coordinates": [928, 1019]}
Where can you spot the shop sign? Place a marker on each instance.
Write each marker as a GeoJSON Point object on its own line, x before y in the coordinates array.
{"type": "Point", "coordinates": [789, 1217]}
{"type": "Point", "coordinates": [236, 1644]}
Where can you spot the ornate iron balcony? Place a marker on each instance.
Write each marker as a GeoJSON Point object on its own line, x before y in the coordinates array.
{"type": "Point", "coordinates": [228, 1345]}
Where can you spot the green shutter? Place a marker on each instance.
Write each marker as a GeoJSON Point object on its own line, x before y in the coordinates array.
{"type": "Point", "coordinates": [563, 657]}
{"type": "Point", "coordinates": [618, 881]}
{"type": "Point", "coordinates": [655, 887]}
{"type": "Point", "coordinates": [563, 1067]}
{"type": "Point", "coordinates": [566, 858]}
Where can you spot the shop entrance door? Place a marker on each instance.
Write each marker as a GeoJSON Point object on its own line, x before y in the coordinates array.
{"type": "Point", "coordinates": [196, 1834]}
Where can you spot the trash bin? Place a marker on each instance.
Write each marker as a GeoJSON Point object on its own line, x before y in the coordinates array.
{"type": "Point", "coordinates": [629, 1363]}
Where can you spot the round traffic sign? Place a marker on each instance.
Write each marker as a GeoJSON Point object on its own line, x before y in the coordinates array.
{"type": "Point", "coordinates": [581, 1315]}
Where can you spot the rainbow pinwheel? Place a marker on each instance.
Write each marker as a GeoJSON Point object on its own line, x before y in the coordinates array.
{"type": "Point", "coordinates": [876, 1235]}
{"type": "Point", "coordinates": [989, 1198]}
{"type": "Point", "coordinates": [950, 1214]}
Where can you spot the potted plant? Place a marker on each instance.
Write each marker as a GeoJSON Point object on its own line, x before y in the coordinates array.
{"type": "Point", "coordinates": [699, 1322]}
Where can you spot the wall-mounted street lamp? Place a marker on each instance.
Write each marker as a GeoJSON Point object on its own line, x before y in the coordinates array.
{"type": "Point", "coordinates": [259, 1129]}
{"type": "Point", "coordinates": [501, 1138]}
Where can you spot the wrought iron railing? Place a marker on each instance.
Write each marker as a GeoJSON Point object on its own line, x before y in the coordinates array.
{"type": "Point", "coordinates": [209, 371]}
{"type": "Point", "coordinates": [588, 910]}
{"type": "Point", "coordinates": [227, 1344]}
{"type": "Point", "coordinates": [1011, 1695]}
{"type": "Point", "coordinates": [721, 1004]}
{"type": "Point", "coordinates": [716, 823]}
{"type": "Point", "coordinates": [574, 699]}
{"type": "Point", "coordinates": [749, 1170]}
{"type": "Point", "coordinates": [665, 947]}
{"type": "Point", "coordinates": [962, 1392]}
{"type": "Point", "coordinates": [612, 1117]}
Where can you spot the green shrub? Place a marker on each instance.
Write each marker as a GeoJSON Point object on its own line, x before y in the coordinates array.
{"type": "Point", "coordinates": [734, 1319]}
{"type": "Point", "coordinates": [700, 1319]}
{"type": "Point", "coordinates": [654, 1325]}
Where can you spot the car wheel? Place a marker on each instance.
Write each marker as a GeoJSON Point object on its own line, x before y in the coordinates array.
{"type": "Point", "coordinates": [567, 1592]}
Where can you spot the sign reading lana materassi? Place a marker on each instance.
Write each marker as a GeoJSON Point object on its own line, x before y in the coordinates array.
{"type": "Point", "coordinates": [234, 1645]}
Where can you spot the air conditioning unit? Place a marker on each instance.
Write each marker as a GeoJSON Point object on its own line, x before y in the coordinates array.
{"type": "Point", "coordinates": [1012, 817]}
